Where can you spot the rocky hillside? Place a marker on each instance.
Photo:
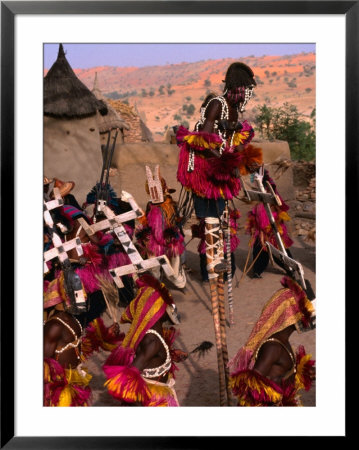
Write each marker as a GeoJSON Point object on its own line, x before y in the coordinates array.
{"type": "Point", "coordinates": [172, 94]}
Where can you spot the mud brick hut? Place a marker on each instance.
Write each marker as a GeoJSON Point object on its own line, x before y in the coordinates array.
{"type": "Point", "coordinates": [72, 149]}
{"type": "Point", "coordinates": [112, 120]}
{"type": "Point", "coordinates": [138, 131]}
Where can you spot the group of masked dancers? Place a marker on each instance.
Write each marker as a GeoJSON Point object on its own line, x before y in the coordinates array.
{"type": "Point", "coordinates": [108, 255]}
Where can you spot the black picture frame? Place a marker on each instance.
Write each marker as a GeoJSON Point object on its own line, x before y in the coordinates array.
{"type": "Point", "coordinates": [9, 10]}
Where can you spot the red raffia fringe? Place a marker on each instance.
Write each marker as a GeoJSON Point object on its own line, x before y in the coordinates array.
{"type": "Point", "coordinates": [97, 337]}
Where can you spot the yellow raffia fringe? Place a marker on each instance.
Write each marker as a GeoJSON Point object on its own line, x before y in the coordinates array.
{"type": "Point", "coordinates": [254, 384]}
{"type": "Point", "coordinates": [74, 377]}
{"type": "Point", "coordinates": [200, 141]}
{"type": "Point", "coordinates": [299, 382]}
{"type": "Point", "coordinates": [129, 392]}
{"type": "Point", "coordinates": [240, 138]}
{"type": "Point", "coordinates": [66, 396]}
{"type": "Point", "coordinates": [284, 216]}
{"type": "Point", "coordinates": [47, 376]}
{"type": "Point", "coordinates": [157, 392]}
{"type": "Point", "coordinates": [105, 345]}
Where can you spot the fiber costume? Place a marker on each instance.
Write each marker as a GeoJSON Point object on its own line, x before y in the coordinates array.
{"type": "Point", "coordinates": [288, 306]}
{"type": "Point", "coordinates": [70, 386]}
{"type": "Point", "coordinates": [210, 161]}
{"type": "Point", "coordinates": [113, 252]}
{"type": "Point", "coordinates": [159, 232]}
{"type": "Point", "coordinates": [259, 227]}
{"type": "Point", "coordinates": [209, 176]}
{"type": "Point", "coordinates": [65, 387]}
{"type": "Point", "coordinates": [124, 381]}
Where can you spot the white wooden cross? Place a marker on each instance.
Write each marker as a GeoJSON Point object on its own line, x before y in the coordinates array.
{"type": "Point", "coordinates": [113, 222]}
{"type": "Point", "coordinates": [60, 248]}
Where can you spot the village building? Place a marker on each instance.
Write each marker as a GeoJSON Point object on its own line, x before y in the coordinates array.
{"type": "Point", "coordinates": [112, 120]}
{"type": "Point", "coordinates": [72, 123]}
{"type": "Point", "coordinates": [138, 131]}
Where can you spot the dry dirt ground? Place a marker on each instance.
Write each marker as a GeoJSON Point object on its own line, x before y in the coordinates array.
{"type": "Point", "coordinates": [197, 379]}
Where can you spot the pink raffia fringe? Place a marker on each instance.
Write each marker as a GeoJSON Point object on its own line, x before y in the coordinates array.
{"type": "Point", "coordinates": [212, 177]}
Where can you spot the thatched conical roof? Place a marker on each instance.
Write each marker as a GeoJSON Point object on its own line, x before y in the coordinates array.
{"type": "Point", "coordinates": [65, 96]}
{"type": "Point", "coordinates": [112, 119]}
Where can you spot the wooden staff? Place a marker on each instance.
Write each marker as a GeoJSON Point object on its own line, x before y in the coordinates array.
{"type": "Point", "coordinates": [222, 314]}
{"type": "Point", "coordinates": [222, 321]}
{"type": "Point", "coordinates": [211, 227]}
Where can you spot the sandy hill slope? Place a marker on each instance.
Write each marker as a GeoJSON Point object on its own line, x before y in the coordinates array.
{"type": "Point", "coordinates": [171, 94]}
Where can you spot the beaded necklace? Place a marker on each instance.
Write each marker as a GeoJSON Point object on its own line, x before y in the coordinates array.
{"type": "Point", "coordinates": [224, 116]}
{"type": "Point", "coordinates": [74, 344]}
{"type": "Point", "coordinates": [163, 368]}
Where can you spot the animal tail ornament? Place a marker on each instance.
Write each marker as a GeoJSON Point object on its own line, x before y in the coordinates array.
{"type": "Point", "coordinates": [201, 350]}
{"type": "Point", "coordinates": [65, 387]}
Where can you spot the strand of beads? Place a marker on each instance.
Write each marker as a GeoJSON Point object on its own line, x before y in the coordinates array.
{"type": "Point", "coordinates": [247, 96]}
{"type": "Point", "coordinates": [224, 116]}
{"type": "Point", "coordinates": [69, 345]}
{"type": "Point", "coordinates": [190, 166]}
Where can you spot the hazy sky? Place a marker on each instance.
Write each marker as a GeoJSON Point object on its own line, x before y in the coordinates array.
{"type": "Point", "coordinates": [82, 56]}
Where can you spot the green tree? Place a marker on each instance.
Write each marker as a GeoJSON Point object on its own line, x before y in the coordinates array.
{"type": "Point", "coordinates": [190, 109]}
{"type": "Point", "coordinates": [286, 123]}
{"type": "Point", "coordinates": [264, 120]}
{"type": "Point", "coordinates": [114, 95]}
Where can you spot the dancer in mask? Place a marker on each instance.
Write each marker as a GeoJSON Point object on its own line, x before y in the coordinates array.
{"type": "Point", "coordinates": [140, 371]}
{"type": "Point", "coordinates": [211, 159]}
{"type": "Point", "coordinates": [266, 371]}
